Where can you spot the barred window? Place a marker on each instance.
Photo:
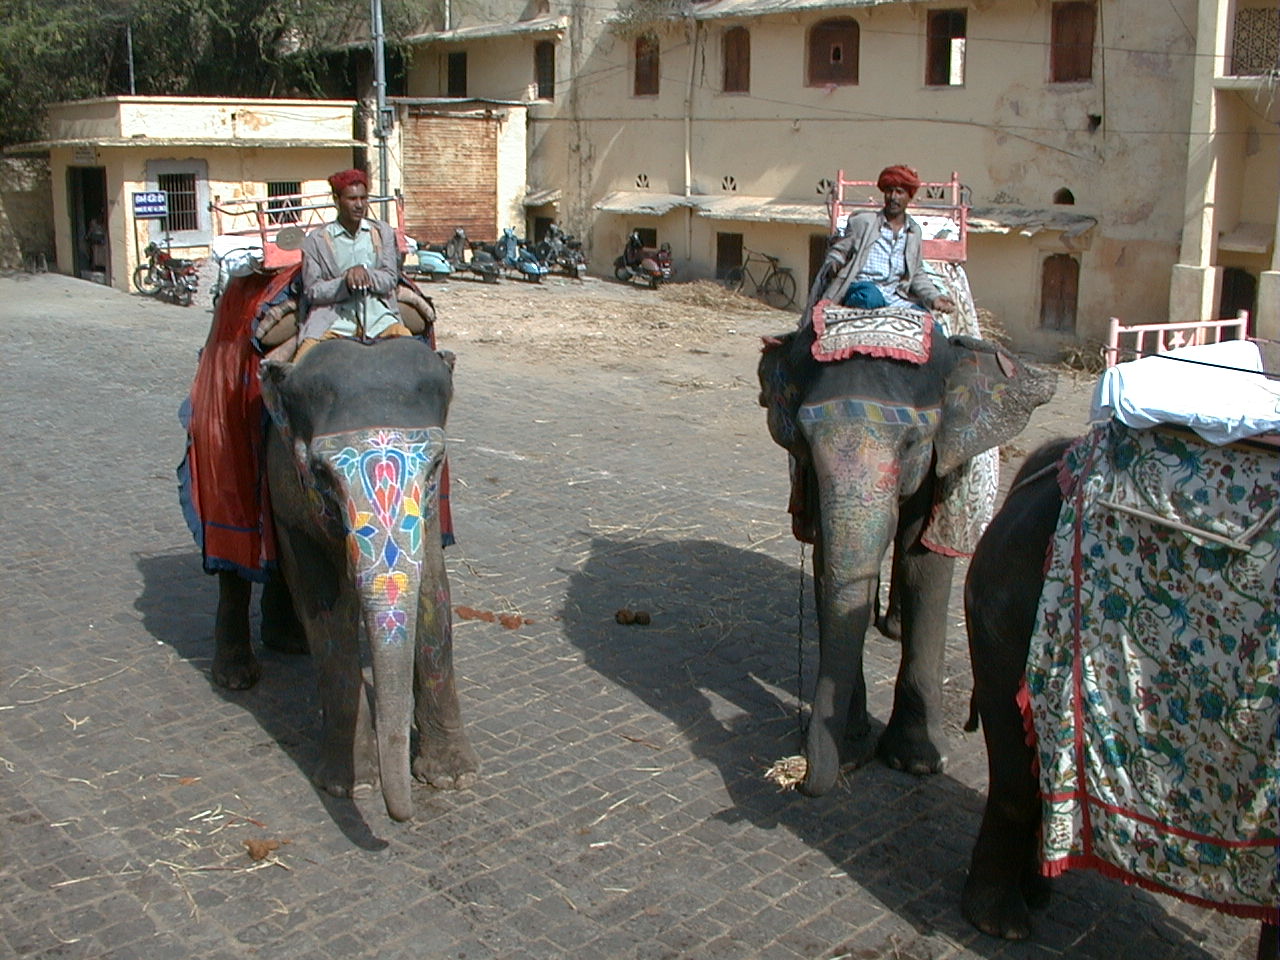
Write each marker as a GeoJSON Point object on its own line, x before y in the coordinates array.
{"type": "Point", "coordinates": [183, 210]}
{"type": "Point", "coordinates": [544, 69]}
{"type": "Point", "coordinates": [283, 211]}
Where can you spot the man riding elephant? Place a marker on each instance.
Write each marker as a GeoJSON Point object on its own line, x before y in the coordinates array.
{"type": "Point", "coordinates": [877, 262]}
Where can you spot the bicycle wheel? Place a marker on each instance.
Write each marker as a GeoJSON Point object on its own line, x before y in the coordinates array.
{"type": "Point", "coordinates": [779, 289]}
{"type": "Point", "coordinates": [734, 279]}
{"type": "Point", "coordinates": [145, 279]}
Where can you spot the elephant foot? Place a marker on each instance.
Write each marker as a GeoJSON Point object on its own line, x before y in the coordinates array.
{"type": "Point", "coordinates": [446, 762]}
{"type": "Point", "coordinates": [915, 749]}
{"type": "Point", "coordinates": [1037, 889]}
{"type": "Point", "coordinates": [235, 667]}
{"type": "Point", "coordinates": [996, 909]}
{"type": "Point", "coordinates": [827, 759]}
{"type": "Point", "coordinates": [341, 777]}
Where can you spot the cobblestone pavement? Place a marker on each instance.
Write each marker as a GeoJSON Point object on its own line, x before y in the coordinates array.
{"type": "Point", "coordinates": [622, 811]}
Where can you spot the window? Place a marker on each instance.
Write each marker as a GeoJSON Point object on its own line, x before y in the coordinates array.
{"type": "Point", "coordinates": [181, 191]}
{"type": "Point", "coordinates": [728, 253]}
{"type": "Point", "coordinates": [646, 79]}
{"type": "Point", "coordinates": [648, 235]}
{"type": "Point", "coordinates": [833, 52]}
{"type": "Point", "coordinates": [1064, 197]}
{"type": "Point", "coordinates": [283, 211]}
{"type": "Point", "coordinates": [1071, 44]}
{"type": "Point", "coordinates": [737, 60]}
{"type": "Point", "coordinates": [544, 69]}
{"type": "Point", "coordinates": [186, 183]}
{"type": "Point", "coordinates": [457, 77]}
{"type": "Point", "coordinates": [946, 48]}
{"type": "Point", "coordinates": [1059, 288]}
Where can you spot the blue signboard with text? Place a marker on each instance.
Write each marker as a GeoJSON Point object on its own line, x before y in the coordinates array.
{"type": "Point", "coordinates": [150, 205]}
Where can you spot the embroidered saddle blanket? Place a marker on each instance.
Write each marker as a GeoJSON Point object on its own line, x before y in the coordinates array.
{"type": "Point", "coordinates": [841, 332]}
{"type": "Point", "coordinates": [1154, 669]}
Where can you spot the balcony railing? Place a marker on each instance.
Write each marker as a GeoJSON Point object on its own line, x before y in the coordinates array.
{"type": "Point", "coordinates": [1255, 43]}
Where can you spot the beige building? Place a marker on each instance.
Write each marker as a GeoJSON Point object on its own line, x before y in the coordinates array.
{"type": "Point", "coordinates": [1104, 142]}
{"type": "Point", "coordinates": [107, 155]}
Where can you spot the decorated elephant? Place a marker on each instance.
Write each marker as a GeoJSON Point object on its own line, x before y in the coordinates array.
{"type": "Point", "coordinates": [1002, 594]}
{"type": "Point", "coordinates": [875, 442]}
{"type": "Point", "coordinates": [353, 458]}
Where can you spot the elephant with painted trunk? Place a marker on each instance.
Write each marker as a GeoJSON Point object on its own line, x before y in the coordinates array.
{"type": "Point", "coordinates": [873, 441]}
{"type": "Point", "coordinates": [353, 458]}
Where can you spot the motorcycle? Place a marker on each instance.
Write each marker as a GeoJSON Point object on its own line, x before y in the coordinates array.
{"type": "Point", "coordinates": [516, 257]}
{"type": "Point", "coordinates": [481, 262]}
{"type": "Point", "coordinates": [166, 276]}
{"type": "Point", "coordinates": [639, 262]}
{"type": "Point", "coordinates": [558, 250]}
{"type": "Point", "coordinates": [426, 262]}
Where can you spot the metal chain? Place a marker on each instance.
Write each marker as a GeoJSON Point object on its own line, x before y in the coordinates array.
{"type": "Point", "coordinates": [804, 727]}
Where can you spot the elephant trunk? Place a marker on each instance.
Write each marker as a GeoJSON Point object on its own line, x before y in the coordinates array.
{"type": "Point", "coordinates": [390, 612]}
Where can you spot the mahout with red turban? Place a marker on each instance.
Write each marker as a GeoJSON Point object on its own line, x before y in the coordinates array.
{"type": "Point", "coordinates": [899, 176]}
{"type": "Point", "coordinates": [346, 178]}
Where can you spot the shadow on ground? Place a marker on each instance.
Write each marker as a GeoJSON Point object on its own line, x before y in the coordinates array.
{"type": "Point", "coordinates": [177, 606]}
{"type": "Point", "coordinates": [719, 660]}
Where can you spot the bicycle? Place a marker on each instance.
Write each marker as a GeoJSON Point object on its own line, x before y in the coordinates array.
{"type": "Point", "coordinates": [777, 287]}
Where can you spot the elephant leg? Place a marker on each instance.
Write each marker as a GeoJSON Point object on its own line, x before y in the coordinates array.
{"type": "Point", "coordinates": [281, 629]}
{"type": "Point", "coordinates": [444, 759]}
{"type": "Point", "coordinates": [913, 740]}
{"type": "Point", "coordinates": [330, 614]}
{"type": "Point", "coordinates": [1269, 941]}
{"type": "Point", "coordinates": [234, 665]}
{"type": "Point", "coordinates": [1004, 880]}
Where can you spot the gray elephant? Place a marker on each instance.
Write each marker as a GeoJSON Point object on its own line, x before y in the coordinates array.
{"type": "Point", "coordinates": [873, 440]}
{"type": "Point", "coordinates": [1002, 593]}
{"type": "Point", "coordinates": [353, 459]}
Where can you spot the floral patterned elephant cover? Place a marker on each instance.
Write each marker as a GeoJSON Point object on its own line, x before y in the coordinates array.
{"type": "Point", "coordinates": [1154, 670]}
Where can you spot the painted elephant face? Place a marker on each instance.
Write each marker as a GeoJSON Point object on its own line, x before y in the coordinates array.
{"type": "Point", "coordinates": [384, 482]}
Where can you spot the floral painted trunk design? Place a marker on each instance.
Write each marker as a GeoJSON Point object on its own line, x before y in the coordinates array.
{"type": "Point", "coordinates": [391, 476]}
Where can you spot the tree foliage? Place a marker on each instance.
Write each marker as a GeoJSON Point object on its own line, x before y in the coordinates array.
{"type": "Point", "coordinates": [53, 50]}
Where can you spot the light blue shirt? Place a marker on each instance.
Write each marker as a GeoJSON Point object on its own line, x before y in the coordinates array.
{"type": "Point", "coordinates": [356, 250]}
{"type": "Point", "coordinates": [886, 266]}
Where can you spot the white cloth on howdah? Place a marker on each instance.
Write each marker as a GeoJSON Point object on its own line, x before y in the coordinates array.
{"type": "Point", "coordinates": [1219, 404]}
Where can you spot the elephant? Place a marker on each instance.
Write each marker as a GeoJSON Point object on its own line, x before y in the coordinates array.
{"type": "Point", "coordinates": [1002, 592]}
{"type": "Point", "coordinates": [353, 457]}
{"type": "Point", "coordinates": [873, 440]}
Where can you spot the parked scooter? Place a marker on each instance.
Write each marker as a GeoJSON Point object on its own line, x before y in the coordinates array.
{"type": "Point", "coordinates": [425, 262]}
{"type": "Point", "coordinates": [639, 262]}
{"type": "Point", "coordinates": [480, 262]}
{"type": "Point", "coordinates": [166, 276]}
{"type": "Point", "coordinates": [515, 257]}
{"type": "Point", "coordinates": [559, 251]}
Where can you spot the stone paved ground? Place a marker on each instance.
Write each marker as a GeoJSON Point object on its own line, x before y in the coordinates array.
{"type": "Point", "coordinates": [622, 812]}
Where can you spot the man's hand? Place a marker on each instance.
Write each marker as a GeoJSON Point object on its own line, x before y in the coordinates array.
{"type": "Point", "coordinates": [358, 279]}
{"type": "Point", "coordinates": [943, 304]}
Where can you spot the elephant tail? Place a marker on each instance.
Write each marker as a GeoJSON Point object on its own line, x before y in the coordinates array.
{"type": "Point", "coordinates": [974, 720]}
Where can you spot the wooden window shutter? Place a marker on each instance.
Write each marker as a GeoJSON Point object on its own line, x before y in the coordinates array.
{"type": "Point", "coordinates": [646, 79]}
{"type": "Point", "coordinates": [833, 53]}
{"type": "Point", "coordinates": [1071, 45]}
{"type": "Point", "coordinates": [737, 60]}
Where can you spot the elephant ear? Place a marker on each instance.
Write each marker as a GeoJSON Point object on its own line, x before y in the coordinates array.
{"type": "Point", "coordinates": [780, 392]}
{"type": "Point", "coordinates": [989, 399]}
{"type": "Point", "coordinates": [272, 374]}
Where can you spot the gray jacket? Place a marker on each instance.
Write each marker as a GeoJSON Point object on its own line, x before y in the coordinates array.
{"type": "Point", "coordinates": [323, 285]}
{"type": "Point", "coordinates": [847, 255]}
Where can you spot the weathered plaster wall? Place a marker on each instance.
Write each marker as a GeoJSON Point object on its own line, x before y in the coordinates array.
{"type": "Point", "coordinates": [26, 212]}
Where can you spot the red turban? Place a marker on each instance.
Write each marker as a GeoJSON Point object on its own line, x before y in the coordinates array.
{"type": "Point", "coordinates": [899, 176]}
{"type": "Point", "coordinates": [346, 178]}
